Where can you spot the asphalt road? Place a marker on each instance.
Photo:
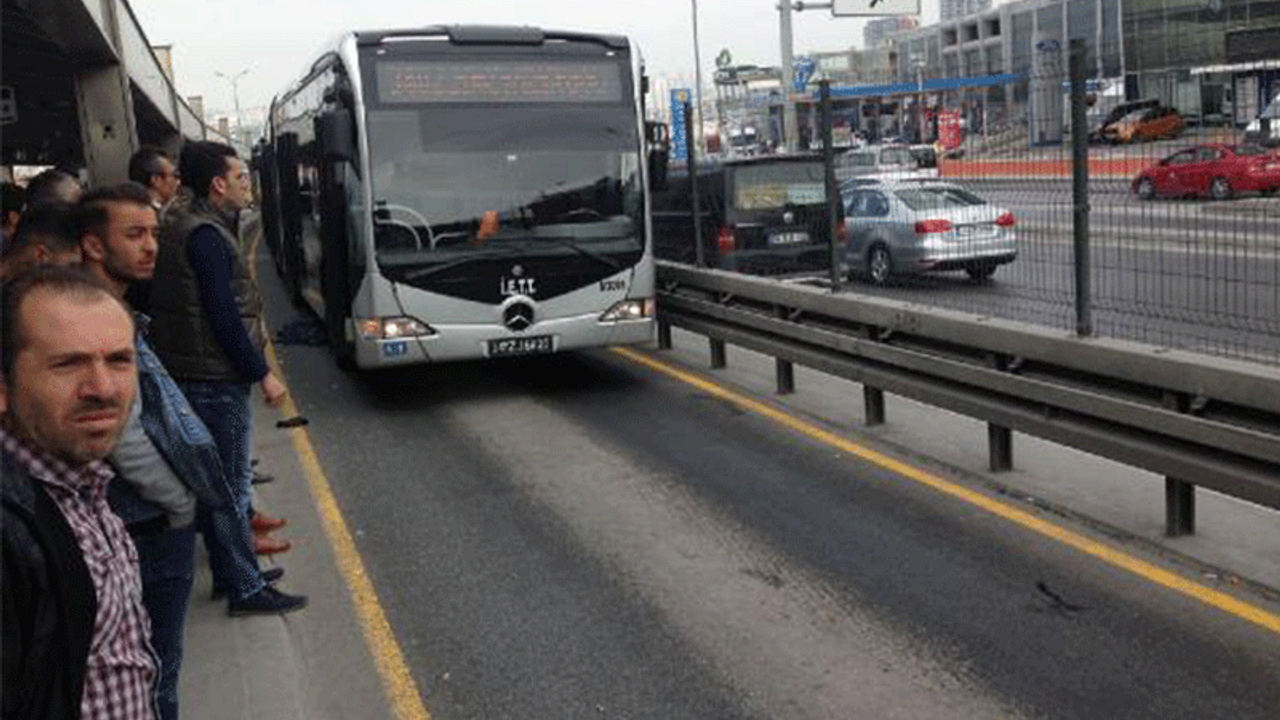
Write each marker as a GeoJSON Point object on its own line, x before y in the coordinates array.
{"type": "Point", "coordinates": [576, 537]}
{"type": "Point", "coordinates": [1191, 274]}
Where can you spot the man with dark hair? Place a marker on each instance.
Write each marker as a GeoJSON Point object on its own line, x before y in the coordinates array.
{"type": "Point", "coordinates": [155, 170]}
{"type": "Point", "coordinates": [75, 634]}
{"type": "Point", "coordinates": [53, 186]}
{"type": "Point", "coordinates": [209, 330]}
{"type": "Point", "coordinates": [167, 459]}
{"type": "Point", "coordinates": [46, 236]}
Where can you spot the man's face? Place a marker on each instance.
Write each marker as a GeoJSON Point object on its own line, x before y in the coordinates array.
{"type": "Point", "coordinates": [75, 377]}
{"type": "Point", "coordinates": [234, 185]}
{"type": "Point", "coordinates": [165, 184]}
{"type": "Point", "coordinates": [128, 250]}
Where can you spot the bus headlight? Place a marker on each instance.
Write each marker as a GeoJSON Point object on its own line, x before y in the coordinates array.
{"type": "Point", "coordinates": [390, 328]}
{"type": "Point", "coordinates": [637, 309]}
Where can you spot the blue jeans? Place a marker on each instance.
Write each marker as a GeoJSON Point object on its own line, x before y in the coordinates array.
{"type": "Point", "coordinates": [166, 562]}
{"type": "Point", "coordinates": [224, 409]}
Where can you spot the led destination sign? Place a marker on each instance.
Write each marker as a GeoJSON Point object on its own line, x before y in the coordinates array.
{"type": "Point", "coordinates": [499, 81]}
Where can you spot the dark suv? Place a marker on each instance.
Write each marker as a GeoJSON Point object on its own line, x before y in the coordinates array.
{"type": "Point", "coordinates": [763, 215]}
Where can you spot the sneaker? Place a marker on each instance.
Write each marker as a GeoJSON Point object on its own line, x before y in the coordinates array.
{"type": "Point", "coordinates": [267, 601]}
{"type": "Point", "coordinates": [269, 576]}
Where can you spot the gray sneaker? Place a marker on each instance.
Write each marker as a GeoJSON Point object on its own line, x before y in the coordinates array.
{"type": "Point", "coordinates": [267, 601]}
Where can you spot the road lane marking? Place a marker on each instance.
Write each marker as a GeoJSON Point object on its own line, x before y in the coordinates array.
{"type": "Point", "coordinates": [397, 682]}
{"type": "Point", "coordinates": [1158, 575]}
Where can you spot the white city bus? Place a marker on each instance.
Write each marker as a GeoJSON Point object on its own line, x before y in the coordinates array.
{"type": "Point", "coordinates": [463, 192]}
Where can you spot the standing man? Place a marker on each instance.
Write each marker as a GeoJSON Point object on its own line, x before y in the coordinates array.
{"type": "Point", "coordinates": [75, 643]}
{"type": "Point", "coordinates": [45, 236]}
{"type": "Point", "coordinates": [208, 325]}
{"type": "Point", "coordinates": [155, 170]}
{"type": "Point", "coordinates": [53, 186]}
{"type": "Point", "coordinates": [166, 458]}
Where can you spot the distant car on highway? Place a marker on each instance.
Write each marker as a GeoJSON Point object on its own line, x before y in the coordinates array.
{"type": "Point", "coordinates": [901, 227]}
{"type": "Point", "coordinates": [1154, 123]}
{"type": "Point", "coordinates": [888, 161]}
{"type": "Point", "coordinates": [1216, 170]}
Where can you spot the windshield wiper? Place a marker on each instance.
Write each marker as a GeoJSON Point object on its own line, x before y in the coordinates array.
{"type": "Point", "coordinates": [585, 252]}
{"type": "Point", "coordinates": [497, 252]}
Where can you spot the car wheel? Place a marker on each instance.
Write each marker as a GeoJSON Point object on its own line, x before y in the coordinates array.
{"type": "Point", "coordinates": [1146, 189]}
{"type": "Point", "coordinates": [1220, 189]}
{"type": "Point", "coordinates": [879, 264]}
{"type": "Point", "coordinates": [980, 271]}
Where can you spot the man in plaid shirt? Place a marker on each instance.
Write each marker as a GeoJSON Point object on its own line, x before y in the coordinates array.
{"type": "Point", "coordinates": [76, 636]}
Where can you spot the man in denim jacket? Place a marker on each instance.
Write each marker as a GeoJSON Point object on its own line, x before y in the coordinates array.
{"type": "Point", "coordinates": [166, 455]}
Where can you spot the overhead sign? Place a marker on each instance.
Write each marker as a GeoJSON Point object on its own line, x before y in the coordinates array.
{"type": "Point", "coordinates": [865, 8]}
{"type": "Point", "coordinates": [679, 141]}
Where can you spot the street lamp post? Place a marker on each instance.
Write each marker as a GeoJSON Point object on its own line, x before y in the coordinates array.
{"type": "Point", "coordinates": [697, 70]}
{"type": "Point", "coordinates": [921, 115]}
{"type": "Point", "coordinates": [235, 92]}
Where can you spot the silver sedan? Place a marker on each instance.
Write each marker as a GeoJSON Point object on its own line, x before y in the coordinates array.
{"type": "Point", "coordinates": [907, 227]}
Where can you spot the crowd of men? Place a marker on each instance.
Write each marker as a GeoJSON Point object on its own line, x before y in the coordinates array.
{"type": "Point", "coordinates": [133, 337]}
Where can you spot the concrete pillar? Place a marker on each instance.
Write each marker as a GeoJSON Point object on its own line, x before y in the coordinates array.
{"type": "Point", "coordinates": [107, 124]}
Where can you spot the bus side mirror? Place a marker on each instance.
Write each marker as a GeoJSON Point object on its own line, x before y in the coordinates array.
{"type": "Point", "coordinates": [335, 130]}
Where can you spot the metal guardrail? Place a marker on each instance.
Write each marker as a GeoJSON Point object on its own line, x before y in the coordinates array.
{"type": "Point", "coordinates": [1198, 420]}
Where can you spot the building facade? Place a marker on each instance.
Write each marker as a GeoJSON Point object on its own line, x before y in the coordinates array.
{"type": "Point", "coordinates": [1216, 61]}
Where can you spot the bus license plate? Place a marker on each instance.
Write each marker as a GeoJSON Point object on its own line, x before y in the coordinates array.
{"type": "Point", "coordinates": [789, 238]}
{"type": "Point", "coordinates": [520, 346]}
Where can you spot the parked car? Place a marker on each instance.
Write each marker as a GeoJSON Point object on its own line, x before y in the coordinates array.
{"type": "Point", "coordinates": [764, 214]}
{"type": "Point", "coordinates": [900, 227]}
{"type": "Point", "coordinates": [1118, 112]}
{"type": "Point", "coordinates": [1150, 124]}
{"type": "Point", "coordinates": [888, 161]}
{"type": "Point", "coordinates": [1270, 137]}
{"type": "Point", "coordinates": [1216, 170]}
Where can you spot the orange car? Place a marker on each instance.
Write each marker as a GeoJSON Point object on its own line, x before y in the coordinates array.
{"type": "Point", "coordinates": [1150, 124]}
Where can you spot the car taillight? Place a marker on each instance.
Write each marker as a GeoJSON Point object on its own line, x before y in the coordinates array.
{"type": "Point", "coordinates": [924, 227]}
{"type": "Point", "coordinates": [727, 240]}
{"type": "Point", "coordinates": [1005, 220]}
{"type": "Point", "coordinates": [842, 232]}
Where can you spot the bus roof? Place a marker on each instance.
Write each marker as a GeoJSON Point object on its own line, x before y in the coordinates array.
{"type": "Point", "coordinates": [489, 35]}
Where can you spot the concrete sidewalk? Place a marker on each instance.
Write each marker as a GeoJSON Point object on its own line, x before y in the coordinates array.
{"type": "Point", "coordinates": [313, 664]}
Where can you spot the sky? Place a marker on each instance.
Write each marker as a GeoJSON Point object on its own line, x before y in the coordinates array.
{"type": "Point", "coordinates": [275, 39]}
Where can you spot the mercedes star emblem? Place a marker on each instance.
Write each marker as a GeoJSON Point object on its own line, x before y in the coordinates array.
{"type": "Point", "coordinates": [518, 317]}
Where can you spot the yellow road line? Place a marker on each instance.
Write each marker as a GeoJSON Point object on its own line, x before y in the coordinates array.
{"type": "Point", "coordinates": [393, 670]}
{"type": "Point", "coordinates": [1142, 568]}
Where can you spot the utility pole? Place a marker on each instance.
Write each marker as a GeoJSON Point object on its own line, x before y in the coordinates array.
{"type": "Point", "coordinates": [697, 69]}
{"type": "Point", "coordinates": [235, 93]}
{"type": "Point", "coordinates": [791, 136]}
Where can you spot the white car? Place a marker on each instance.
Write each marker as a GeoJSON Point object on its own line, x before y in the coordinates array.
{"type": "Point", "coordinates": [895, 162]}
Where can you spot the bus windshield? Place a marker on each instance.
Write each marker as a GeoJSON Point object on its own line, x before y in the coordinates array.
{"type": "Point", "coordinates": [457, 168]}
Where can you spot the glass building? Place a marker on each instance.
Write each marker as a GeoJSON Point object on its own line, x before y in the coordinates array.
{"type": "Point", "coordinates": [1216, 61]}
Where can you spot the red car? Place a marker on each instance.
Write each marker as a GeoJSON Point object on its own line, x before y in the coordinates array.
{"type": "Point", "coordinates": [1216, 170]}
